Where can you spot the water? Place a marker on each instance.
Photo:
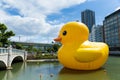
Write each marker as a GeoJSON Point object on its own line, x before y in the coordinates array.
{"type": "Point", "coordinates": [55, 71]}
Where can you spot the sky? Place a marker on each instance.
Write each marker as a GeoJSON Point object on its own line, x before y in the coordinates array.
{"type": "Point", "coordinates": [39, 21]}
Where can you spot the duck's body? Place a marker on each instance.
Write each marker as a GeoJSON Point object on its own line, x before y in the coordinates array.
{"type": "Point", "coordinates": [88, 56]}
{"type": "Point", "coordinates": [81, 54]}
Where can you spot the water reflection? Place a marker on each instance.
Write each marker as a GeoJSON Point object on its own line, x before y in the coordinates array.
{"type": "Point", "coordinates": [2, 74]}
{"type": "Point", "coordinates": [10, 74]}
{"type": "Point", "coordinates": [67, 74]}
{"type": "Point", "coordinates": [50, 71]}
{"type": "Point", "coordinates": [55, 71]}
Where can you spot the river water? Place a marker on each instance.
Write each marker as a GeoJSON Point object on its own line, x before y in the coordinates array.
{"type": "Point", "coordinates": [55, 71]}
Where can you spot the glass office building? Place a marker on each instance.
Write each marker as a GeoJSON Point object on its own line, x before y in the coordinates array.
{"type": "Point", "coordinates": [88, 18]}
{"type": "Point", "coordinates": [112, 30]}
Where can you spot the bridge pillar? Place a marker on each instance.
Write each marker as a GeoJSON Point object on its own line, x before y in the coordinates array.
{"type": "Point", "coordinates": [9, 55]}
{"type": "Point", "coordinates": [25, 55]}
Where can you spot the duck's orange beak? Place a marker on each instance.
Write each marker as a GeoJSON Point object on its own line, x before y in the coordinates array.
{"type": "Point", "coordinates": [58, 39]}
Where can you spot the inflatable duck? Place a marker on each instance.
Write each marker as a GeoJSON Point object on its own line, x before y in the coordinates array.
{"type": "Point", "coordinates": [76, 51]}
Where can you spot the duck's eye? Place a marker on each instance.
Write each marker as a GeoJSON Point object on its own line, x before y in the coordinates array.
{"type": "Point", "coordinates": [64, 33]}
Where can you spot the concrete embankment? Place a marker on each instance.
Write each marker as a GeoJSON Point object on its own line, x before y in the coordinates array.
{"type": "Point", "coordinates": [114, 53]}
{"type": "Point", "coordinates": [43, 60]}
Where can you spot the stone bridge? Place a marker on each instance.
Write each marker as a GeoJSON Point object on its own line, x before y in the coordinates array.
{"type": "Point", "coordinates": [8, 55]}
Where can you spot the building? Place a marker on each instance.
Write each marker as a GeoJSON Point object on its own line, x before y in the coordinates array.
{"type": "Point", "coordinates": [112, 30]}
{"type": "Point", "coordinates": [88, 18]}
{"type": "Point", "coordinates": [97, 34]}
{"type": "Point", "coordinates": [42, 46]}
{"type": "Point", "coordinates": [92, 34]}
{"type": "Point", "coordinates": [91, 37]}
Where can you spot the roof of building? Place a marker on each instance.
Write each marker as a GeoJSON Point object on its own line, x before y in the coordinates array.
{"type": "Point", "coordinates": [113, 13]}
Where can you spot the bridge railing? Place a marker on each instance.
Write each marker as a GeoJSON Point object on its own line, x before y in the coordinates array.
{"type": "Point", "coordinates": [8, 54]}
{"type": "Point", "coordinates": [3, 50]}
{"type": "Point", "coordinates": [13, 51]}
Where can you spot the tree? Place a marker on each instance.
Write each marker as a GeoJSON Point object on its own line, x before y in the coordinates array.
{"type": "Point", "coordinates": [5, 35]}
{"type": "Point", "coordinates": [30, 48]}
{"type": "Point", "coordinates": [19, 46]}
{"type": "Point", "coordinates": [56, 47]}
{"type": "Point", "coordinates": [50, 49]}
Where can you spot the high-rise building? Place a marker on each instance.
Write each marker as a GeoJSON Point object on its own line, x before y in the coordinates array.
{"type": "Point", "coordinates": [97, 34]}
{"type": "Point", "coordinates": [111, 25]}
{"type": "Point", "coordinates": [88, 18]}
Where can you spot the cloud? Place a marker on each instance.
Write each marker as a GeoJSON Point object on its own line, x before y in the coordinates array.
{"type": "Point", "coordinates": [117, 8]}
{"type": "Point", "coordinates": [30, 20]}
{"type": "Point", "coordinates": [91, 0]}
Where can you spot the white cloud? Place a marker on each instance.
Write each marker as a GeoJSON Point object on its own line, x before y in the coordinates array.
{"type": "Point", "coordinates": [117, 8]}
{"type": "Point", "coordinates": [31, 23]}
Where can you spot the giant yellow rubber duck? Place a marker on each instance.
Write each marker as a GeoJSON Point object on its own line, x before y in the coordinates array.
{"type": "Point", "coordinates": [77, 52]}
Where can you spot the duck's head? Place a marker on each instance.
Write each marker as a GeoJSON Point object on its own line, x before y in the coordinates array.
{"type": "Point", "coordinates": [73, 32]}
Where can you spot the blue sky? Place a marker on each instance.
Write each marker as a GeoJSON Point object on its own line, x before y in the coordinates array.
{"type": "Point", "coordinates": [40, 20]}
{"type": "Point", "coordinates": [101, 7]}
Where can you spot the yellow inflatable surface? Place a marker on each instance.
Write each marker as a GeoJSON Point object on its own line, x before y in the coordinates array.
{"type": "Point", "coordinates": [76, 51]}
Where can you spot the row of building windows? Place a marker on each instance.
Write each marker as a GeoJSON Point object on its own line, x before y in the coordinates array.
{"type": "Point", "coordinates": [114, 33]}
{"type": "Point", "coordinates": [114, 45]}
{"type": "Point", "coordinates": [112, 36]}
{"type": "Point", "coordinates": [110, 32]}
{"type": "Point", "coordinates": [113, 23]}
{"type": "Point", "coordinates": [113, 18]}
{"type": "Point", "coordinates": [113, 40]}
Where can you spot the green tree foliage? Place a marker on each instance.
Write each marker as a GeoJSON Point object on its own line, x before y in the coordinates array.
{"type": "Point", "coordinates": [50, 49]}
{"type": "Point", "coordinates": [30, 48]}
{"type": "Point", "coordinates": [19, 46]}
{"type": "Point", "coordinates": [0, 44]}
{"type": "Point", "coordinates": [5, 35]}
{"type": "Point", "coordinates": [56, 47]}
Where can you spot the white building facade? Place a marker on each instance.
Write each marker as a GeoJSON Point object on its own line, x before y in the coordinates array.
{"type": "Point", "coordinates": [97, 34]}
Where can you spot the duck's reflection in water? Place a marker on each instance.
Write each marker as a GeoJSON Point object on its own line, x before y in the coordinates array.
{"type": "Point", "coordinates": [68, 74]}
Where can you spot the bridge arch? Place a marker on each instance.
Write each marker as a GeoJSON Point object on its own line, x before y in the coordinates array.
{"type": "Point", "coordinates": [10, 55]}
{"type": "Point", "coordinates": [17, 59]}
{"type": "Point", "coordinates": [3, 65]}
